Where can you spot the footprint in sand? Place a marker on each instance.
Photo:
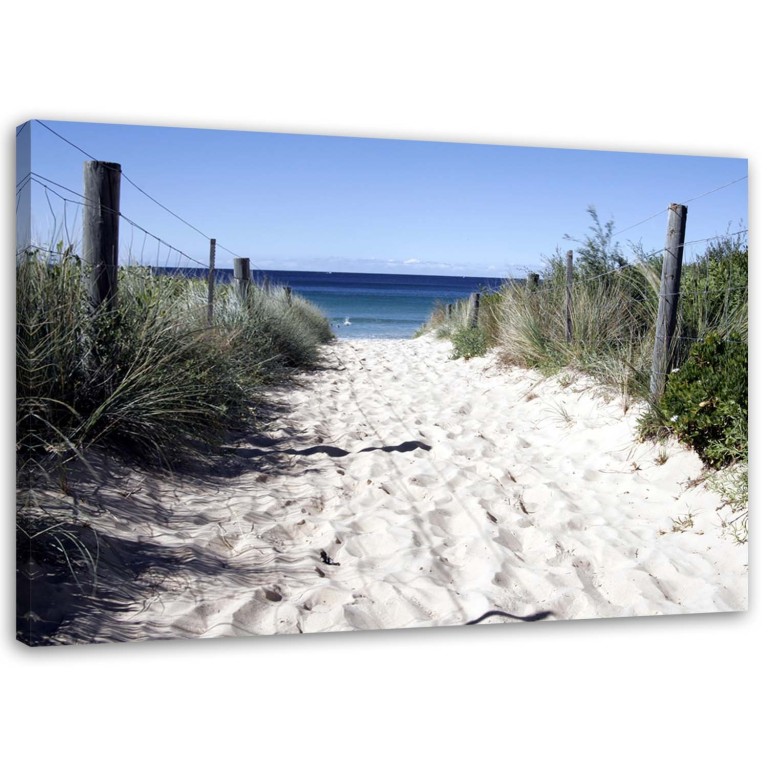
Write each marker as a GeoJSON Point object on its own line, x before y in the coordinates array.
{"type": "Point", "coordinates": [508, 540]}
{"type": "Point", "coordinates": [424, 480]}
{"type": "Point", "coordinates": [501, 579]}
{"type": "Point", "coordinates": [585, 571]}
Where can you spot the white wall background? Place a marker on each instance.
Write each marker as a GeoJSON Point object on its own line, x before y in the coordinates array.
{"type": "Point", "coordinates": [654, 77]}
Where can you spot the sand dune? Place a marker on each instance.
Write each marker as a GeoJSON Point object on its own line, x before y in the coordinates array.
{"type": "Point", "coordinates": [399, 488]}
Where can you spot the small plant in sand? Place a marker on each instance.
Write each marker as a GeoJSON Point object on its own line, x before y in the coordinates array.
{"type": "Point", "coordinates": [737, 527]}
{"type": "Point", "coordinates": [469, 341]}
{"type": "Point", "coordinates": [682, 523]}
{"type": "Point", "coordinates": [560, 414]}
{"type": "Point", "coordinates": [679, 524]}
{"type": "Point", "coordinates": [732, 484]}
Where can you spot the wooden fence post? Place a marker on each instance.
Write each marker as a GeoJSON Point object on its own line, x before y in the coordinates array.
{"type": "Point", "coordinates": [569, 297]}
{"type": "Point", "coordinates": [474, 309]}
{"type": "Point", "coordinates": [101, 218]}
{"type": "Point", "coordinates": [211, 279]}
{"type": "Point", "coordinates": [243, 277]}
{"type": "Point", "coordinates": [669, 293]}
{"type": "Point", "coordinates": [288, 294]}
{"type": "Point", "coordinates": [533, 281]}
{"type": "Point", "coordinates": [450, 310]}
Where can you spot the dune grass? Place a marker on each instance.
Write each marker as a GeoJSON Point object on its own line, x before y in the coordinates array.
{"type": "Point", "coordinates": [612, 321]}
{"type": "Point", "coordinates": [151, 375]}
{"type": "Point", "coordinates": [151, 380]}
{"type": "Point", "coordinates": [614, 306]}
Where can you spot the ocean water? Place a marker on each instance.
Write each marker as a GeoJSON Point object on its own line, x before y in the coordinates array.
{"type": "Point", "coordinates": [370, 306]}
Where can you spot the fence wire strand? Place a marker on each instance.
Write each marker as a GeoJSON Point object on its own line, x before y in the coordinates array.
{"type": "Point", "coordinates": [685, 202]}
{"type": "Point", "coordinates": [84, 201]}
{"type": "Point", "coordinates": [629, 265]}
{"type": "Point", "coordinates": [140, 190]}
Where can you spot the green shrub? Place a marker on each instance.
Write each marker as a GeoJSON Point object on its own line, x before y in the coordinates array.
{"type": "Point", "coordinates": [469, 341]}
{"type": "Point", "coordinates": [714, 293]}
{"type": "Point", "coordinates": [597, 254]}
{"type": "Point", "coordinates": [706, 400]}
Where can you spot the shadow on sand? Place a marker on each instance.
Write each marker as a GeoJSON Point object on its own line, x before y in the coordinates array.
{"type": "Point", "coordinates": [87, 551]}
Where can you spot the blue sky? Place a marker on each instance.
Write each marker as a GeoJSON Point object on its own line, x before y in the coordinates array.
{"type": "Point", "coordinates": [323, 203]}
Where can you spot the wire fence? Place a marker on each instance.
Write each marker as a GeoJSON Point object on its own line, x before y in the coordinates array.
{"type": "Point", "coordinates": [658, 305]}
{"type": "Point", "coordinates": [698, 284]}
{"type": "Point", "coordinates": [144, 247]}
{"type": "Point", "coordinates": [66, 231]}
{"type": "Point", "coordinates": [163, 254]}
{"type": "Point", "coordinates": [646, 259]}
{"type": "Point", "coordinates": [701, 290]}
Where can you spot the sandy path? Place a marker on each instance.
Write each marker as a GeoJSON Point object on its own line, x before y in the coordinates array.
{"type": "Point", "coordinates": [405, 489]}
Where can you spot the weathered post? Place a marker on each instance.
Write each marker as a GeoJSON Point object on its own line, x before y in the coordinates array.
{"type": "Point", "coordinates": [243, 277]}
{"type": "Point", "coordinates": [288, 294]}
{"type": "Point", "coordinates": [474, 309]}
{"type": "Point", "coordinates": [669, 294]}
{"type": "Point", "coordinates": [211, 279]}
{"type": "Point", "coordinates": [569, 297]}
{"type": "Point", "coordinates": [101, 218]}
{"type": "Point", "coordinates": [533, 281]}
{"type": "Point", "coordinates": [450, 310]}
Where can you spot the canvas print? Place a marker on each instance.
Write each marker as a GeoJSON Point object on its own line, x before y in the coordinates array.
{"type": "Point", "coordinates": [273, 384]}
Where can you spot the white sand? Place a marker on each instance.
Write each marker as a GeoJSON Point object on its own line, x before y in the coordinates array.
{"type": "Point", "coordinates": [534, 495]}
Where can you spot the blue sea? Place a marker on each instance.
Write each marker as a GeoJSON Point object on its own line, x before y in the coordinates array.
{"type": "Point", "coordinates": [372, 306]}
{"type": "Point", "coordinates": [369, 306]}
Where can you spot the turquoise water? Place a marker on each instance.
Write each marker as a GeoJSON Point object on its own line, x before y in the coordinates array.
{"type": "Point", "coordinates": [367, 306]}
{"type": "Point", "coordinates": [374, 306]}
